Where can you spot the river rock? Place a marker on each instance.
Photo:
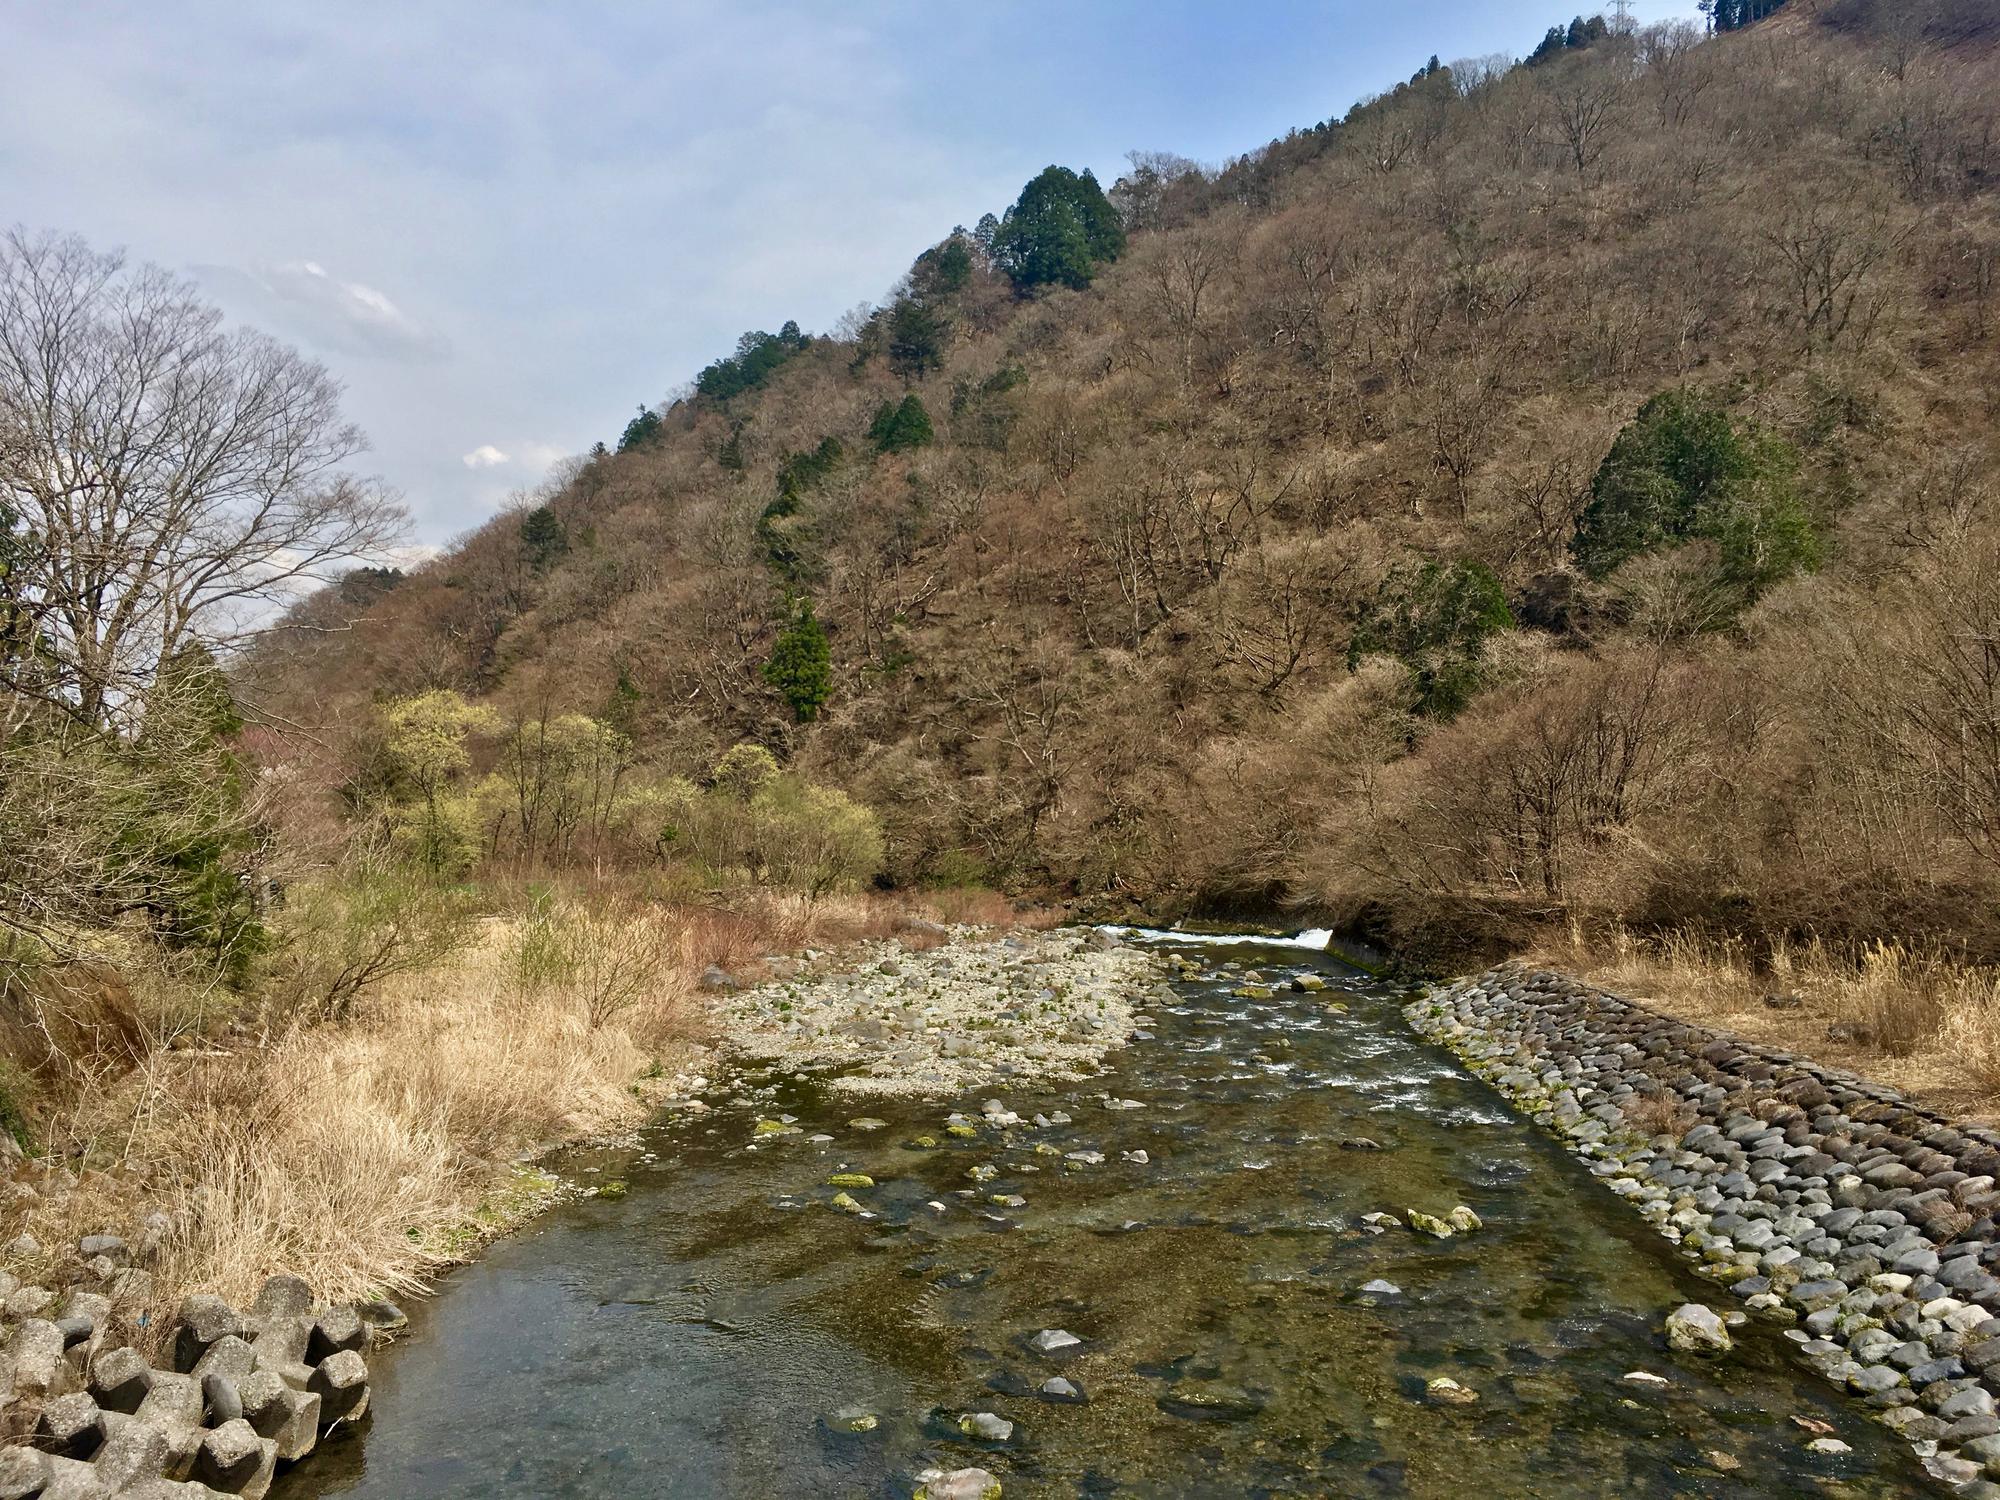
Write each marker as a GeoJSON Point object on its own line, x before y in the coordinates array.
{"type": "Point", "coordinates": [986, 1426]}
{"type": "Point", "coordinates": [957, 1484]}
{"type": "Point", "coordinates": [1695, 1329]}
{"type": "Point", "coordinates": [1448, 1392]}
{"type": "Point", "coordinates": [1050, 1340]}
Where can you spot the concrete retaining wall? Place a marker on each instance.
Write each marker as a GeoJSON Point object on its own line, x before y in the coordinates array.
{"type": "Point", "coordinates": [1863, 1223]}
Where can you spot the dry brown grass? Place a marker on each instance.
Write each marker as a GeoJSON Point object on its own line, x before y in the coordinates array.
{"type": "Point", "coordinates": [365, 1155]}
{"type": "Point", "coordinates": [1919, 1019]}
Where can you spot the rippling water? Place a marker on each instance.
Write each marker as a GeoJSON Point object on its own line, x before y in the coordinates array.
{"type": "Point", "coordinates": [692, 1338]}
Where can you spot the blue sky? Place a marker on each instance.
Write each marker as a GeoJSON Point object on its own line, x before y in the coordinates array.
{"type": "Point", "coordinates": [504, 224]}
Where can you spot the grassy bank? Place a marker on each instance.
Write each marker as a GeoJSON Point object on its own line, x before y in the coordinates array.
{"type": "Point", "coordinates": [367, 1148]}
{"type": "Point", "coordinates": [1921, 1020]}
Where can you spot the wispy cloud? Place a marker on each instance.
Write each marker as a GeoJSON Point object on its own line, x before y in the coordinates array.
{"type": "Point", "coordinates": [304, 299]}
{"type": "Point", "coordinates": [485, 456]}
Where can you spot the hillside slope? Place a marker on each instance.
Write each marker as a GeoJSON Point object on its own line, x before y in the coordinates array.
{"type": "Point", "coordinates": [1549, 493]}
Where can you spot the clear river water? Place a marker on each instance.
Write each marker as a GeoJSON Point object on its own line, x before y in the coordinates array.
{"type": "Point", "coordinates": [697, 1337]}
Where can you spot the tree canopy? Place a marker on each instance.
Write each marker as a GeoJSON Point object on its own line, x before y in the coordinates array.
{"type": "Point", "coordinates": [800, 666]}
{"type": "Point", "coordinates": [1435, 618]}
{"type": "Point", "coordinates": [1682, 470]}
{"type": "Point", "coordinates": [900, 426]}
{"type": "Point", "coordinates": [758, 357]}
{"type": "Point", "coordinates": [1058, 231]}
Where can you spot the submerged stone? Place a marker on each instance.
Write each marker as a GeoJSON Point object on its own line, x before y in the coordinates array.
{"type": "Point", "coordinates": [1448, 1392]}
{"type": "Point", "coordinates": [986, 1426]}
{"type": "Point", "coordinates": [1694, 1329]}
{"type": "Point", "coordinates": [956, 1484]}
{"type": "Point", "coordinates": [1211, 1403]}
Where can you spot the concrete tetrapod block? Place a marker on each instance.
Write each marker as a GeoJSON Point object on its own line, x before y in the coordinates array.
{"type": "Point", "coordinates": [168, 1489]}
{"type": "Point", "coordinates": [229, 1357]}
{"type": "Point", "coordinates": [336, 1329]}
{"type": "Point", "coordinates": [282, 1341]}
{"type": "Point", "coordinates": [120, 1379]}
{"type": "Point", "coordinates": [235, 1460]}
{"type": "Point", "coordinates": [37, 1356]}
{"type": "Point", "coordinates": [71, 1479]}
{"type": "Point", "coordinates": [297, 1429]}
{"type": "Point", "coordinates": [134, 1450]}
{"type": "Point", "coordinates": [94, 1306]}
{"type": "Point", "coordinates": [173, 1408]}
{"type": "Point", "coordinates": [71, 1426]}
{"type": "Point", "coordinates": [282, 1297]}
{"type": "Point", "coordinates": [341, 1383]}
{"type": "Point", "coordinates": [203, 1319]}
{"type": "Point", "coordinates": [289, 1418]}
{"type": "Point", "coordinates": [24, 1472]}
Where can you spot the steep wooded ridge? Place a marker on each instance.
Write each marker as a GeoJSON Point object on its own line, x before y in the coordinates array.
{"type": "Point", "coordinates": [1551, 491]}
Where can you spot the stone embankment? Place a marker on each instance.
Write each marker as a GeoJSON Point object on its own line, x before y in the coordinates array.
{"type": "Point", "coordinates": [1042, 1006]}
{"type": "Point", "coordinates": [1864, 1224]}
{"type": "Point", "coordinates": [87, 1416]}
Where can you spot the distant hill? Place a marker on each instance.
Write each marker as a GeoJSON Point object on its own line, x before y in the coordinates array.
{"type": "Point", "coordinates": [1547, 492]}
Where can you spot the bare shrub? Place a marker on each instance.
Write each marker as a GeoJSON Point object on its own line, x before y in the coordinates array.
{"type": "Point", "coordinates": [343, 938]}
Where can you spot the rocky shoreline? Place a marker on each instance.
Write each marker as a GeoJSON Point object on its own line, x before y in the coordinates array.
{"type": "Point", "coordinates": [1867, 1226]}
{"type": "Point", "coordinates": [900, 1020]}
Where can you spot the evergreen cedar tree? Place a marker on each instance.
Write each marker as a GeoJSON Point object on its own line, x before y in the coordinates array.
{"type": "Point", "coordinates": [758, 357]}
{"type": "Point", "coordinates": [900, 426]}
{"type": "Point", "coordinates": [798, 476]}
{"type": "Point", "coordinates": [1058, 231]}
{"type": "Point", "coordinates": [544, 536]}
{"type": "Point", "coordinates": [186, 866]}
{"type": "Point", "coordinates": [944, 268]}
{"type": "Point", "coordinates": [919, 334]}
{"type": "Point", "coordinates": [1729, 15]}
{"type": "Point", "coordinates": [1580, 33]}
{"type": "Point", "coordinates": [1435, 618]}
{"type": "Point", "coordinates": [640, 431]}
{"type": "Point", "coordinates": [1683, 471]}
{"type": "Point", "coordinates": [801, 664]}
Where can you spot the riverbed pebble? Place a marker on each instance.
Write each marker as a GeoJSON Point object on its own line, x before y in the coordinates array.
{"type": "Point", "coordinates": [1044, 1007]}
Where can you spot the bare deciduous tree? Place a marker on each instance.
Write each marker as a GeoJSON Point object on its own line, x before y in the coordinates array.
{"type": "Point", "coordinates": [172, 480]}
{"type": "Point", "coordinates": [1178, 286]}
{"type": "Point", "coordinates": [1828, 248]}
{"type": "Point", "coordinates": [1584, 104]}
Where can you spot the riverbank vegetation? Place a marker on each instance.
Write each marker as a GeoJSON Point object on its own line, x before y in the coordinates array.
{"type": "Point", "coordinates": [366, 1150]}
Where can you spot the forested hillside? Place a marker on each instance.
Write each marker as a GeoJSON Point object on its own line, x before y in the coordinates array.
{"type": "Point", "coordinates": [1556, 491]}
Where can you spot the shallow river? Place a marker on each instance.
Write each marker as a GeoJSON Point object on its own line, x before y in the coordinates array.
{"type": "Point", "coordinates": [693, 1338]}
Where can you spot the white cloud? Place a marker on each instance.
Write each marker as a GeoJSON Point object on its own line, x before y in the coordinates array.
{"type": "Point", "coordinates": [304, 299]}
{"type": "Point", "coordinates": [485, 456]}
